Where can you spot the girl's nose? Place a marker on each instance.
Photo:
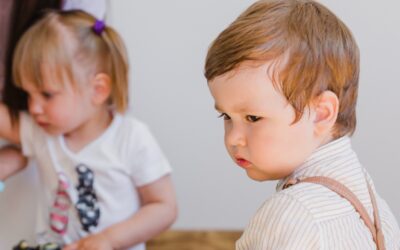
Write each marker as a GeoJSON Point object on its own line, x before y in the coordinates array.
{"type": "Point", "coordinates": [35, 108]}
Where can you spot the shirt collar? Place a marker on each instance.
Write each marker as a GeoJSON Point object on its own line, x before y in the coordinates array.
{"type": "Point", "coordinates": [327, 156]}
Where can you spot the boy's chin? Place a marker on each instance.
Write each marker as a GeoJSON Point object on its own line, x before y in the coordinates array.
{"type": "Point", "coordinates": [260, 176]}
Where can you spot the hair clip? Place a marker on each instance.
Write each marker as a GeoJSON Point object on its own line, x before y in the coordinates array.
{"type": "Point", "coordinates": [98, 27]}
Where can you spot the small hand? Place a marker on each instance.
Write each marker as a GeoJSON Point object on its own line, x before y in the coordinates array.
{"type": "Point", "coordinates": [93, 242]}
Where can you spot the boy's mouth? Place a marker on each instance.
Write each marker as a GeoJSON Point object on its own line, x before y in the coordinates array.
{"type": "Point", "coordinates": [242, 162]}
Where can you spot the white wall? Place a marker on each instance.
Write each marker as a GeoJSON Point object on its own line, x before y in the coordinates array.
{"type": "Point", "coordinates": [167, 42]}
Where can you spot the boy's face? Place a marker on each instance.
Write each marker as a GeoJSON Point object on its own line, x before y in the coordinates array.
{"type": "Point", "coordinates": [259, 134]}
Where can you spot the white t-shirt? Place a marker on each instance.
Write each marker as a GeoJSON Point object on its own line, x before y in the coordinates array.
{"type": "Point", "coordinates": [124, 157]}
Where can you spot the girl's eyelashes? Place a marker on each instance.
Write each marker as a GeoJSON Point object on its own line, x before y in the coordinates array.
{"type": "Point", "coordinates": [47, 95]}
{"type": "Point", "coordinates": [252, 118]}
{"type": "Point", "coordinates": [225, 116]}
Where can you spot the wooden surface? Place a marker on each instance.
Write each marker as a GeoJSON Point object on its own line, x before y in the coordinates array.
{"type": "Point", "coordinates": [194, 240]}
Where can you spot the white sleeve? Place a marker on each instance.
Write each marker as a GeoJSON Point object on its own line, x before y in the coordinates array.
{"type": "Point", "coordinates": [95, 7]}
{"type": "Point", "coordinates": [281, 223]}
{"type": "Point", "coordinates": [147, 159]}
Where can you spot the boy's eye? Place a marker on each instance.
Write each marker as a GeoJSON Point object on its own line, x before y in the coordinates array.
{"type": "Point", "coordinates": [252, 118]}
{"type": "Point", "coordinates": [225, 116]}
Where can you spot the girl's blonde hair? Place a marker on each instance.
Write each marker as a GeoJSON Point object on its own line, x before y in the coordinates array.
{"type": "Point", "coordinates": [66, 44]}
{"type": "Point", "coordinates": [314, 51]}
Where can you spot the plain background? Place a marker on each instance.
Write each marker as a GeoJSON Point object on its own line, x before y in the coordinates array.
{"type": "Point", "coordinates": [167, 43]}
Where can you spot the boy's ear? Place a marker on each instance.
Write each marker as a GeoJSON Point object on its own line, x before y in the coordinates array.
{"type": "Point", "coordinates": [326, 108]}
{"type": "Point", "coordinates": [101, 84]}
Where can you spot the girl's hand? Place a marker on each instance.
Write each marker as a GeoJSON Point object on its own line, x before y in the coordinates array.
{"type": "Point", "coordinates": [93, 242]}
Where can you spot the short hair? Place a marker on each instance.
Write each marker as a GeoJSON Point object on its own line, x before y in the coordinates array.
{"type": "Point", "coordinates": [66, 42]}
{"type": "Point", "coordinates": [313, 47]}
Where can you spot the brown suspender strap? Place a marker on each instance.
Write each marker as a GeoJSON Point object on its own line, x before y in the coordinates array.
{"type": "Point", "coordinates": [343, 191]}
{"type": "Point", "coordinates": [380, 240]}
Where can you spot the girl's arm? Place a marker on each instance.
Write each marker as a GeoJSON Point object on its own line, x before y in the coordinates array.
{"type": "Point", "coordinates": [11, 162]}
{"type": "Point", "coordinates": [8, 131]}
{"type": "Point", "coordinates": [158, 212]}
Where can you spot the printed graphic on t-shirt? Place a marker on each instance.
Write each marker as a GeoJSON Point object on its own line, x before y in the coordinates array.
{"type": "Point", "coordinates": [87, 205]}
{"type": "Point", "coordinates": [61, 205]}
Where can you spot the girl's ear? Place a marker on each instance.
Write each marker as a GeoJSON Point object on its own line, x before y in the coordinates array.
{"type": "Point", "coordinates": [101, 86]}
{"type": "Point", "coordinates": [326, 107]}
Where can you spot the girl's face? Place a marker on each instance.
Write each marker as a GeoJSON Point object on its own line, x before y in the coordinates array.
{"type": "Point", "coordinates": [59, 108]}
{"type": "Point", "coordinates": [260, 135]}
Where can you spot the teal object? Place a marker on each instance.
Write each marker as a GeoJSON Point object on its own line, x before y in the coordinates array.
{"type": "Point", "coordinates": [1, 186]}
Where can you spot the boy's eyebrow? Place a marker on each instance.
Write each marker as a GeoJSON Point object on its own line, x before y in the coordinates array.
{"type": "Point", "coordinates": [240, 109]}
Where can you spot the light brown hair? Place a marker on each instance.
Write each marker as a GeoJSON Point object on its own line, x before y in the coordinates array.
{"type": "Point", "coordinates": [64, 41]}
{"type": "Point", "coordinates": [313, 48]}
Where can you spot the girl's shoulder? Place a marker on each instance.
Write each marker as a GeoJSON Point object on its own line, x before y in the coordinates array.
{"type": "Point", "coordinates": [132, 135]}
{"type": "Point", "coordinates": [125, 126]}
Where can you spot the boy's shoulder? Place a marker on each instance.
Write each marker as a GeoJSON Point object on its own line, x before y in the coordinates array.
{"type": "Point", "coordinates": [319, 202]}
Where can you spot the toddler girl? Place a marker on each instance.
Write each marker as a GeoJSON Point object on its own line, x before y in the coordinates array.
{"type": "Point", "coordinates": [106, 183]}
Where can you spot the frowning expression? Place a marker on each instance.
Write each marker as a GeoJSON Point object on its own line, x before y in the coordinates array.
{"type": "Point", "coordinates": [260, 135]}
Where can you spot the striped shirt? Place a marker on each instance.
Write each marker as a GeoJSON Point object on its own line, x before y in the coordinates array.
{"type": "Point", "coordinates": [311, 216]}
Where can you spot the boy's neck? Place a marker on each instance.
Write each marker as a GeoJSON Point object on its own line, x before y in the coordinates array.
{"type": "Point", "coordinates": [325, 140]}
{"type": "Point", "coordinates": [89, 131]}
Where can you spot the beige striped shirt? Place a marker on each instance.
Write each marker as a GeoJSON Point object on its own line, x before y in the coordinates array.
{"type": "Point", "coordinates": [310, 216]}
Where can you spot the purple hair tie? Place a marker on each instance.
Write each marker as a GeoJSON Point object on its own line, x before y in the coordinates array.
{"type": "Point", "coordinates": [98, 27]}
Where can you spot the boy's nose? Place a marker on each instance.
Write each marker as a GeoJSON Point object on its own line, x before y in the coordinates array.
{"type": "Point", "coordinates": [235, 136]}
